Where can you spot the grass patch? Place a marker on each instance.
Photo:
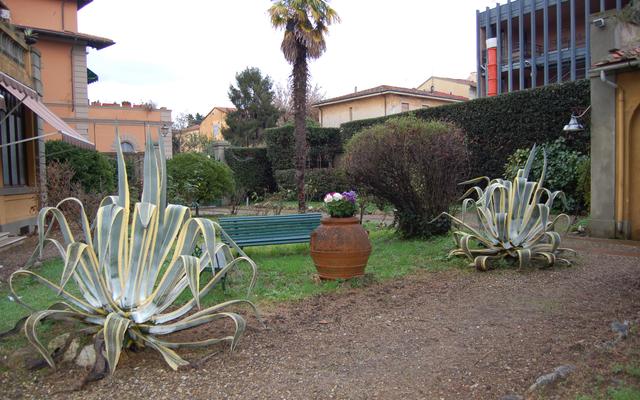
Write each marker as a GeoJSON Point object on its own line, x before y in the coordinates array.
{"type": "Point", "coordinates": [286, 273]}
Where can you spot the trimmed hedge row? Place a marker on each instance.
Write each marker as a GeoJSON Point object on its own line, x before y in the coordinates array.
{"type": "Point", "coordinates": [318, 181]}
{"type": "Point", "coordinates": [324, 144]}
{"type": "Point", "coordinates": [251, 168]}
{"type": "Point", "coordinates": [495, 127]}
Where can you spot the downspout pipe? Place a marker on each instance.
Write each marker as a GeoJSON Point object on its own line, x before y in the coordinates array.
{"type": "Point", "coordinates": [621, 156]}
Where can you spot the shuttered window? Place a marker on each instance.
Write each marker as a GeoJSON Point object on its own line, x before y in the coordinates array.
{"type": "Point", "coordinates": [14, 157]}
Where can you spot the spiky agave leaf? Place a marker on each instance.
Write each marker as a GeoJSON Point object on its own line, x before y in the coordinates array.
{"type": "Point", "coordinates": [135, 267]}
{"type": "Point", "coordinates": [512, 221]}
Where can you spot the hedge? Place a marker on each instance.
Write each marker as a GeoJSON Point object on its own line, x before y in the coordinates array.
{"type": "Point", "coordinates": [324, 144]}
{"type": "Point", "coordinates": [251, 168]}
{"type": "Point", "coordinates": [318, 181]}
{"type": "Point", "coordinates": [495, 127]}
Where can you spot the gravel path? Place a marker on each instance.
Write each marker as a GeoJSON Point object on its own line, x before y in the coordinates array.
{"type": "Point", "coordinates": [446, 335]}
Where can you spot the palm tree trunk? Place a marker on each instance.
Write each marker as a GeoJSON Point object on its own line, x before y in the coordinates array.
{"type": "Point", "coordinates": [300, 71]}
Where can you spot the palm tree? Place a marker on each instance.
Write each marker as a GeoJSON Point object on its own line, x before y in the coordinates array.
{"type": "Point", "coordinates": [305, 22]}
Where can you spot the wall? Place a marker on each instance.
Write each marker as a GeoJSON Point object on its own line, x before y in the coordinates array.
{"type": "Point", "coordinates": [446, 86]}
{"type": "Point", "coordinates": [629, 84]}
{"type": "Point", "coordinates": [131, 122]}
{"type": "Point", "coordinates": [216, 117]}
{"type": "Point", "coordinates": [47, 14]}
{"type": "Point", "coordinates": [333, 115]}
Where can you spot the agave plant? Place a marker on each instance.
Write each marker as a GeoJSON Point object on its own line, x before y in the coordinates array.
{"type": "Point", "coordinates": [512, 221]}
{"type": "Point", "coordinates": [132, 269]}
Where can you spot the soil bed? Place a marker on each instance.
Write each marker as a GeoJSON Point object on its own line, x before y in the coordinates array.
{"type": "Point", "coordinates": [449, 335]}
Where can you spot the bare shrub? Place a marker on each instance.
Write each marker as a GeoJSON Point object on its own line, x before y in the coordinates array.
{"type": "Point", "coordinates": [413, 164]}
{"type": "Point", "coordinates": [60, 185]}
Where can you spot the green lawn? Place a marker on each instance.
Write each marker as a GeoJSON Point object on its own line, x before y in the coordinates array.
{"type": "Point", "coordinates": [285, 273]}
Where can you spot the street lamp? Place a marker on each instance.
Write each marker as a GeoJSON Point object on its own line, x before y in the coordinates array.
{"type": "Point", "coordinates": [574, 124]}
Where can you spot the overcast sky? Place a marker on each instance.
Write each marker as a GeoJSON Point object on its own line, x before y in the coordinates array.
{"type": "Point", "coordinates": [184, 54]}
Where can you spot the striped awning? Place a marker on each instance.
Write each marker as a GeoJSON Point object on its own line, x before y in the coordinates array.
{"type": "Point", "coordinates": [30, 98]}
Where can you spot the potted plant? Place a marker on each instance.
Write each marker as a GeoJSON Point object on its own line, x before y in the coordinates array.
{"type": "Point", "coordinates": [30, 37]}
{"type": "Point", "coordinates": [340, 246]}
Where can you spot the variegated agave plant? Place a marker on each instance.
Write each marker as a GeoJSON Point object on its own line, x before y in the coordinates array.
{"type": "Point", "coordinates": [131, 271]}
{"type": "Point", "coordinates": [511, 221]}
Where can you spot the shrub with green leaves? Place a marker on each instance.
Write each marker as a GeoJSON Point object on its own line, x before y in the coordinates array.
{"type": "Point", "coordinates": [132, 268]}
{"type": "Point", "coordinates": [412, 164]}
{"type": "Point", "coordinates": [93, 170]}
{"type": "Point", "coordinates": [196, 179]}
{"type": "Point", "coordinates": [512, 221]}
{"type": "Point", "coordinates": [564, 169]}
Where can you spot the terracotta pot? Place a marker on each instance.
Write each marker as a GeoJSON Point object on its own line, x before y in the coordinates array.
{"type": "Point", "coordinates": [340, 248]}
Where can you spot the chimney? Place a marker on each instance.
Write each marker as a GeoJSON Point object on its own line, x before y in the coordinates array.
{"type": "Point", "coordinates": [355, 89]}
{"type": "Point", "coordinates": [492, 67]}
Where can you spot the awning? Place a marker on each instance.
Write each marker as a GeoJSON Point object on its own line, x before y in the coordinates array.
{"type": "Point", "coordinates": [91, 76]}
{"type": "Point", "coordinates": [30, 98]}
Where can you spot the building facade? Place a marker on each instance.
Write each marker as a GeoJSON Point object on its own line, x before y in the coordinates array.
{"type": "Point", "coordinates": [66, 77]}
{"type": "Point", "coordinates": [214, 122]}
{"type": "Point", "coordinates": [459, 87]}
{"type": "Point", "coordinates": [615, 130]}
{"type": "Point", "coordinates": [529, 43]}
{"type": "Point", "coordinates": [131, 122]}
{"type": "Point", "coordinates": [23, 116]}
{"type": "Point", "coordinates": [379, 102]}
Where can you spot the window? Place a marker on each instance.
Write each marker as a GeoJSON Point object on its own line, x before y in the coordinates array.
{"type": "Point", "coordinates": [405, 107]}
{"type": "Point", "coordinates": [14, 157]}
{"type": "Point", "coordinates": [350, 113]}
{"type": "Point", "coordinates": [127, 147]}
{"type": "Point", "coordinates": [216, 130]}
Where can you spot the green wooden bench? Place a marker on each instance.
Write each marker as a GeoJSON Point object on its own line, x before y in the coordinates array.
{"type": "Point", "coordinates": [268, 230]}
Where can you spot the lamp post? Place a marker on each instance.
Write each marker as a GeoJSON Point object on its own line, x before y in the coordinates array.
{"type": "Point", "coordinates": [574, 124]}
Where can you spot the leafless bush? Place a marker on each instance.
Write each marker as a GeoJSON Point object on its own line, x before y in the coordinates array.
{"type": "Point", "coordinates": [60, 185]}
{"type": "Point", "coordinates": [413, 164]}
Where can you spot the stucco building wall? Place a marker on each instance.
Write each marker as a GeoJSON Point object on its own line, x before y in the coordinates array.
{"type": "Point", "coordinates": [332, 115]}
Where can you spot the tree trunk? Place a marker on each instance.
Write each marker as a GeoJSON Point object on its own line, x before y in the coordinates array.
{"type": "Point", "coordinates": [300, 129]}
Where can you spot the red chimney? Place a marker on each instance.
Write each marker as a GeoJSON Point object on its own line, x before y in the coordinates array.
{"type": "Point", "coordinates": [492, 67]}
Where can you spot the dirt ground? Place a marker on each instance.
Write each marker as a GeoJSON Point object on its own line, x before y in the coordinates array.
{"type": "Point", "coordinates": [445, 335]}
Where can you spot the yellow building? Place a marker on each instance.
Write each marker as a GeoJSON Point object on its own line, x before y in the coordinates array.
{"type": "Point", "coordinates": [379, 101]}
{"type": "Point", "coordinates": [214, 122]}
{"type": "Point", "coordinates": [210, 128]}
{"type": "Point", "coordinates": [459, 87]}
{"type": "Point", "coordinates": [24, 121]}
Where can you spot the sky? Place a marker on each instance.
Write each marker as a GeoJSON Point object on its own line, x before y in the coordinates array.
{"type": "Point", "coordinates": [183, 55]}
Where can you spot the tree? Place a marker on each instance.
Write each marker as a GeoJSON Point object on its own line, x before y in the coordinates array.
{"type": "Point", "coordinates": [194, 179]}
{"type": "Point", "coordinates": [253, 98]}
{"type": "Point", "coordinates": [305, 22]}
{"type": "Point", "coordinates": [284, 102]}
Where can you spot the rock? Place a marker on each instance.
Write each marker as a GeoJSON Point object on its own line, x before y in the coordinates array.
{"type": "Point", "coordinates": [21, 358]}
{"type": "Point", "coordinates": [512, 397]}
{"type": "Point", "coordinates": [621, 328]}
{"type": "Point", "coordinates": [87, 357]}
{"type": "Point", "coordinates": [59, 342]}
{"type": "Point", "coordinates": [560, 372]}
